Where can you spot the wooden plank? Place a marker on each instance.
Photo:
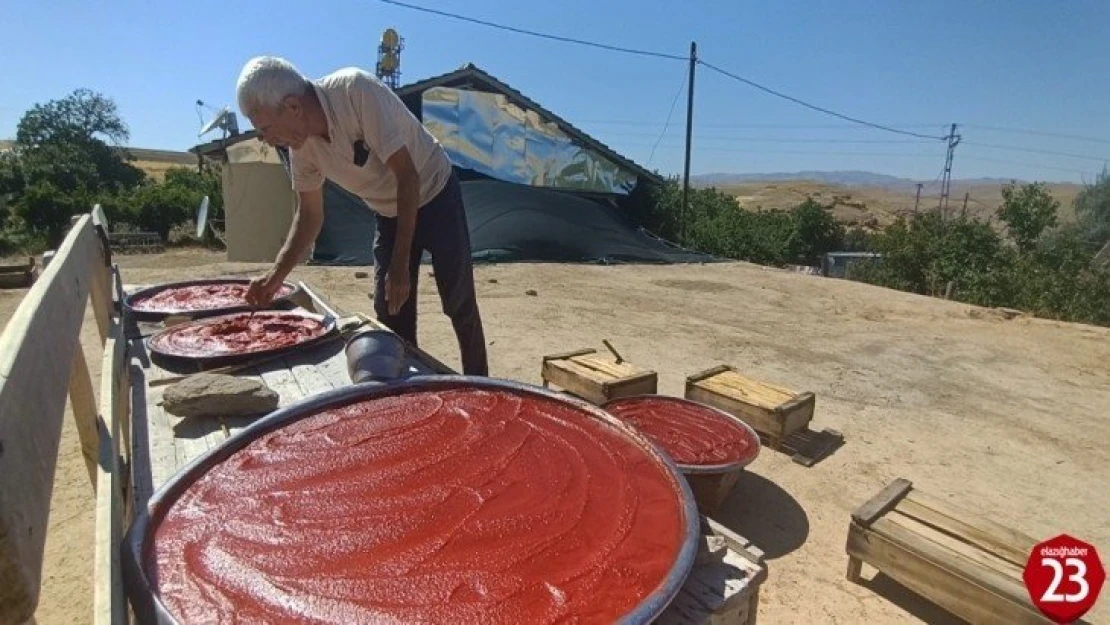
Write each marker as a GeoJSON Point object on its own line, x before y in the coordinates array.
{"type": "Point", "coordinates": [612, 369]}
{"type": "Point", "coordinates": [1003, 567]}
{"type": "Point", "coordinates": [109, 602]}
{"type": "Point", "coordinates": [570, 354]}
{"type": "Point", "coordinates": [310, 379]}
{"type": "Point", "coordinates": [762, 420]}
{"type": "Point", "coordinates": [164, 453]}
{"type": "Point", "coordinates": [36, 356]}
{"type": "Point", "coordinates": [574, 379]}
{"type": "Point", "coordinates": [83, 404]}
{"type": "Point", "coordinates": [280, 379]}
{"type": "Point", "coordinates": [1003, 541]}
{"type": "Point", "coordinates": [701, 375]}
{"type": "Point", "coordinates": [640, 385]}
{"type": "Point", "coordinates": [880, 503]}
{"type": "Point", "coordinates": [747, 390]}
{"type": "Point", "coordinates": [915, 564]}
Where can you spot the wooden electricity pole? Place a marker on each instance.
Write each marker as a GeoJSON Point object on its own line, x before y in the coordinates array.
{"type": "Point", "coordinates": [689, 133]}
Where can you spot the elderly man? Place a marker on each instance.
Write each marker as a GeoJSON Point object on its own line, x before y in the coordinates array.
{"type": "Point", "coordinates": [352, 129]}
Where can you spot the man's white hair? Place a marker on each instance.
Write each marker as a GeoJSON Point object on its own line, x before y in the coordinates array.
{"type": "Point", "coordinates": [265, 81]}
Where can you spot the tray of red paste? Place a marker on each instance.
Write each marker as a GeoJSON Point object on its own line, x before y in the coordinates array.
{"type": "Point", "coordinates": [197, 298]}
{"type": "Point", "coordinates": [699, 438]}
{"type": "Point", "coordinates": [240, 335]}
{"type": "Point", "coordinates": [434, 499]}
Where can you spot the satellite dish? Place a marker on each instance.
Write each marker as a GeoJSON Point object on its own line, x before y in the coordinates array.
{"type": "Point", "coordinates": [202, 217]}
{"type": "Point", "coordinates": [225, 120]}
{"type": "Point", "coordinates": [389, 62]}
{"type": "Point", "coordinates": [99, 218]}
{"type": "Point", "coordinates": [390, 38]}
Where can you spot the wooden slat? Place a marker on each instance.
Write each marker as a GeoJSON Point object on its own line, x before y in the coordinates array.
{"type": "Point", "coordinates": [748, 390]}
{"type": "Point", "coordinates": [971, 552]}
{"type": "Point", "coordinates": [956, 585]}
{"type": "Point", "coordinates": [710, 372]}
{"type": "Point", "coordinates": [761, 419]}
{"type": "Point", "coordinates": [880, 503]}
{"type": "Point", "coordinates": [280, 379]}
{"type": "Point", "coordinates": [82, 401]}
{"type": "Point", "coordinates": [165, 451]}
{"type": "Point", "coordinates": [620, 371]}
{"type": "Point", "coordinates": [36, 356]}
{"type": "Point", "coordinates": [1004, 542]}
{"type": "Point", "coordinates": [109, 603]}
{"type": "Point", "coordinates": [570, 354]}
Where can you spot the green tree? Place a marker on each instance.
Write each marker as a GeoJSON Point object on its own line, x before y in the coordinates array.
{"type": "Point", "coordinates": [1027, 211]}
{"type": "Point", "coordinates": [62, 159]}
{"type": "Point", "coordinates": [1092, 208]}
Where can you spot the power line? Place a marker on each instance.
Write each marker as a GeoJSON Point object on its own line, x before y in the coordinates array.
{"type": "Point", "coordinates": [717, 137]}
{"type": "Point", "coordinates": [624, 122]}
{"type": "Point", "coordinates": [668, 122]}
{"type": "Point", "coordinates": [523, 31]}
{"type": "Point", "coordinates": [814, 107]}
{"type": "Point", "coordinates": [1016, 148]}
{"type": "Point", "coordinates": [772, 151]}
{"type": "Point", "coordinates": [1039, 133]}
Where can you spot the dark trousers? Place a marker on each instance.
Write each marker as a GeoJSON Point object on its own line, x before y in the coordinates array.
{"type": "Point", "coordinates": [441, 229]}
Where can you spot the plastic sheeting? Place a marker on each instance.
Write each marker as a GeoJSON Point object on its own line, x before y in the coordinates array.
{"type": "Point", "coordinates": [487, 133]}
{"type": "Point", "coordinates": [508, 222]}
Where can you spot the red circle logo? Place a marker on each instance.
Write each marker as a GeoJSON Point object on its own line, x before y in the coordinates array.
{"type": "Point", "coordinates": [1064, 577]}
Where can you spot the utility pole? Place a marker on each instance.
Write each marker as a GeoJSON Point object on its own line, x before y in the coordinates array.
{"type": "Point", "coordinates": [946, 185]}
{"type": "Point", "coordinates": [967, 194]}
{"type": "Point", "coordinates": [917, 201]}
{"type": "Point", "coordinates": [689, 133]}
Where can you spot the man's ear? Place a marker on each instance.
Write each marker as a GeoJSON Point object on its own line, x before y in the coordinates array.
{"type": "Point", "coordinates": [293, 104]}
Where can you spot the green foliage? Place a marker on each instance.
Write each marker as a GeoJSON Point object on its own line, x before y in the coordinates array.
{"type": "Point", "coordinates": [1027, 212]}
{"type": "Point", "coordinates": [1046, 272]}
{"type": "Point", "coordinates": [1092, 208]}
{"type": "Point", "coordinates": [717, 225]}
{"type": "Point", "coordinates": [61, 161]}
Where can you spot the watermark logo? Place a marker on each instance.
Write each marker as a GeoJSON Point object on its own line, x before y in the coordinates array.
{"type": "Point", "coordinates": [1064, 577]}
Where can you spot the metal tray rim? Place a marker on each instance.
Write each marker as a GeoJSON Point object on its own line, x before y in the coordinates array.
{"type": "Point", "coordinates": [154, 315]}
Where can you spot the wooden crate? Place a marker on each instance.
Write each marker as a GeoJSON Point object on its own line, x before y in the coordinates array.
{"type": "Point", "coordinates": [597, 378]}
{"type": "Point", "coordinates": [723, 587]}
{"type": "Point", "coordinates": [19, 275]}
{"type": "Point", "coordinates": [964, 563]}
{"type": "Point", "coordinates": [772, 411]}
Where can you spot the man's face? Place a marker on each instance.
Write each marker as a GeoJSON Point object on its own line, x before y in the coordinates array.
{"type": "Point", "coordinates": [284, 125]}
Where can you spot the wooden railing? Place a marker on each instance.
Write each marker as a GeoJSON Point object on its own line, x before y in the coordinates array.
{"type": "Point", "coordinates": [41, 362]}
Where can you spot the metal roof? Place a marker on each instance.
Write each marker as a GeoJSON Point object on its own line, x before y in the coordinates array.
{"type": "Point", "coordinates": [470, 75]}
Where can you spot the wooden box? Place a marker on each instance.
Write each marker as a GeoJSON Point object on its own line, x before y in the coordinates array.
{"type": "Point", "coordinates": [772, 411]}
{"type": "Point", "coordinates": [723, 587]}
{"type": "Point", "coordinates": [595, 378]}
{"type": "Point", "coordinates": [964, 563]}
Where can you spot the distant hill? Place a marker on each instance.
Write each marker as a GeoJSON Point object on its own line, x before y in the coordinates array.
{"type": "Point", "coordinates": [846, 178]}
{"type": "Point", "coordinates": [870, 199]}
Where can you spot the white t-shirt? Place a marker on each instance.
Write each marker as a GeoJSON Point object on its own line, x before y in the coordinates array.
{"type": "Point", "coordinates": [359, 106]}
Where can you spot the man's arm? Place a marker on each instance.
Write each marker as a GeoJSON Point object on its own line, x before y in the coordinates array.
{"type": "Point", "coordinates": [408, 206]}
{"type": "Point", "coordinates": [307, 221]}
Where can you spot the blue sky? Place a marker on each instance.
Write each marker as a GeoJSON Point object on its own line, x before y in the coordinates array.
{"type": "Point", "coordinates": [1013, 64]}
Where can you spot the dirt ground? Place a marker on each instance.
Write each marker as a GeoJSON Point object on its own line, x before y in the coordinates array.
{"type": "Point", "coordinates": [1005, 417]}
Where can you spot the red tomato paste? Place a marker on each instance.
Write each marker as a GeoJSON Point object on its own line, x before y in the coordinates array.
{"type": "Point", "coordinates": [692, 434]}
{"type": "Point", "coordinates": [199, 297]}
{"type": "Point", "coordinates": [459, 505]}
{"type": "Point", "coordinates": [242, 333]}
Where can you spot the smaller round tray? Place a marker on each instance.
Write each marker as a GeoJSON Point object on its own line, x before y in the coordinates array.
{"type": "Point", "coordinates": [161, 346]}
{"type": "Point", "coordinates": [130, 301]}
{"type": "Point", "coordinates": [695, 469]}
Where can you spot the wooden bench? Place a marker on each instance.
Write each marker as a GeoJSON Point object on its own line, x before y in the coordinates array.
{"type": "Point", "coordinates": [964, 563]}
{"type": "Point", "coordinates": [596, 378]}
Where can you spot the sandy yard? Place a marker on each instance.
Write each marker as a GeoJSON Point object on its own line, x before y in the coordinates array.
{"type": "Point", "coordinates": [1005, 417]}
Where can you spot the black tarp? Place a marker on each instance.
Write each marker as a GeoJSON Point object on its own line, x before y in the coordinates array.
{"type": "Point", "coordinates": [508, 222]}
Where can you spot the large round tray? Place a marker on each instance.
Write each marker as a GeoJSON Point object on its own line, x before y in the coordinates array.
{"type": "Point", "coordinates": [150, 609]}
{"type": "Point", "coordinates": [147, 315]}
{"type": "Point", "coordinates": [330, 330]}
{"type": "Point", "coordinates": [706, 469]}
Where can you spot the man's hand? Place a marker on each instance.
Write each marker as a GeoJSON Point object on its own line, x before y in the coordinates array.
{"type": "Point", "coordinates": [262, 290]}
{"type": "Point", "coordinates": [397, 286]}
